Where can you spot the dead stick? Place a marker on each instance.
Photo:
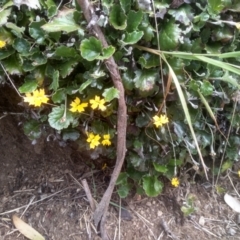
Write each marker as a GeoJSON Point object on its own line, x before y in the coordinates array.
{"type": "Point", "coordinates": [88, 194]}
{"type": "Point", "coordinates": [121, 120]}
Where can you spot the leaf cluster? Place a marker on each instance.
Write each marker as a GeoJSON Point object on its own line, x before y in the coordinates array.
{"type": "Point", "coordinates": [55, 49]}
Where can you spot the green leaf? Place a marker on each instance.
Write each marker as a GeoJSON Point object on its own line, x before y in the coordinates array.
{"type": "Point", "coordinates": [59, 96]}
{"type": "Point", "coordinates": [39, 59]}
{"type": "Point", "coordinates": [32, 129]}
{"type": "Point", "coordinates": [55, 81]}
{"type": "Point", "coordinates": [65, 52]}
{"type": "Point", "coordinates": [70, 134]}
{"type": "Point", "coordinates": [58, 119]}
{"type": "Point", "coordinates": [226, 165]}
{"type": "Point", "coordinates": [90, 48]}
{"type": "Point", "coordinates": [28, 86]}
{"type": "Point", "coordinates": [117, 18]}
{"type": "Point", "coordinates": [206, 88]}
{"type": "Point", "coordinates": [21, 45]}
{"type": "Point", "coordinates": [177, 162]}
{"type": "Point", "coordinates": [122, 178]}
{"type": "Point", "coordinates": [4, 53]}
{"type": "Point", "coordinates": [107, 53]}
{"type": "Point", "coordinates": [36, 32]}
{"type": "Point", "coordinates": [147, 29]}
{"type": "Point", "coordinates": [17, 31]}
{"type": "Point", "coordinates": [126, 5]}
{"type": "Point", "coordinates": [142, 120]}
{"type": "Point", "coordinates": [145, 79]}
{"type": "Point", "coordinates": [149, 60]}
{"type": "Point", "coordinates": [52, 11]}
{"type": "Point", "coordinates": [85, 85]}
{"type": "Point", "coordinates": [63, 23]}
{"type": "Point", "coordinates": [127, 79]}
{"type": "Point", "coordinates": [160, 168]}
{"type": "Point", "coordinates": [215, 6]}
{"type": "Point", "coordinates": [134, 174]}
{"type": "Point", "coordinates": [66, 68]}
{"type": "Point", "coordinates": [187, 210]}
{"type": "Point", "coordinates": [4, 16]}
{"type": "Point", "coordinates": [123, 190]}
{"type": "Point", "coordinates": [183, 14]}
{"type": "Point", "coordinates": [169, 35]}
{"type": "Point", "coordinates": [152, 186]}
{"type": "Point", "coordinates": [13, 64]}
{"type": "Point", "coordinates": [110, 93]}
{"type": "Point", "coordinates": [51, 8]}
{"type": "Point", "coordinates": [133, 20]}
{"type": "Point", "coordinates": [132, 38]}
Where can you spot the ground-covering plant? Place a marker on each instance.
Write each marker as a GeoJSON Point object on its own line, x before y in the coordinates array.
{"type": "Point", "coordinates": [179, 63]}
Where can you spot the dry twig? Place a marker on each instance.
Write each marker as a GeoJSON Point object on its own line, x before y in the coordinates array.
{"type": "Point", "coordinates": [89, 195]}
{"type": "Point", "coordinates": [101, 210]}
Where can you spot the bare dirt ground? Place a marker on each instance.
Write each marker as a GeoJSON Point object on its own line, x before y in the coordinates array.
{"type": "Point", "coordinates": [42, 184]}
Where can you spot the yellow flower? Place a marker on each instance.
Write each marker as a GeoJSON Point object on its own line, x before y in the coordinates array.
{"type": "Point", "coordinates": [239, 173]}
{"type": "Point", "coordinates": [2, 44]}
{"type": "Point", "coordinates": [93, 140]}
{"type": "Point", "coordinates": [77, 106]}
{"type": "Point", "coordinates": [36, 98]}
{"type": "Point", "coordinates": [175, 182]}
{"type": "Point", "coordinates": [106, 140]}
{"type": "Point", "coordinates": [104, 166]}
{"type": "Point", "coordinates": [159, 121]}
{"type": "Point", "coordinates": [98, 103]}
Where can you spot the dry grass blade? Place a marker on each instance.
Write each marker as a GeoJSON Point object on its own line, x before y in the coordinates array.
{"type": "Point", "coordinates": [89, 195]}
{"type": "Point", "coordinates": [187, 115]}
{"type": "Point", "coordinates": [24, 206]}
{"type": "Point", "coordinates": [26, 230]}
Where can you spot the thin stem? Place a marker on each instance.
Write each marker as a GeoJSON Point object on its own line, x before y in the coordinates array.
{"type": "Point", "coordinates": [225, 146]}
{"type": "Point", "coordinates": [10, 80]}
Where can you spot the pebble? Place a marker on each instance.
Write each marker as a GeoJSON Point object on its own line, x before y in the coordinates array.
{"type": "Point", "coordinates": [159, 213]}
{"type": "Point", "coordinates": [149, 204]}
{"type": "Point", "coordinates": [231, 231]}
{"type": "Point", "coordinates": [201, 221]}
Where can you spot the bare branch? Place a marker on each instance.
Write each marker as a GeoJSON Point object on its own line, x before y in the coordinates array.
{"type": "Point", "coordinates": [100, 212]}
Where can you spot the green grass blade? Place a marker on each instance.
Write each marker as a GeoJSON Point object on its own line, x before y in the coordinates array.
{"type": "Point", "coordinates": [186, 112]}
{"type": "Point", "coordinates": [220, 64]}
{"type": "Point", "coordinates": [210, 112]}
{"type": "Point", "coordinates": [203, 58]}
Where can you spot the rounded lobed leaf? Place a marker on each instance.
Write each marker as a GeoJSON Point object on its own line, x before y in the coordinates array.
{"type": "Point", "coordinates": [90, 48]}
{"type": "Point", "coordinates": [117, 18]}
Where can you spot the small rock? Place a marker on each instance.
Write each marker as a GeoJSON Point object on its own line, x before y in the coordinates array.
{"type": "Point", "coordinates": [159, 213]}
{"type": "Point", "coordinates": [231, 231]}
{"type": "Point", "coordinates": [201, 221]}
{"type": "Point", "coordinates": [149, 204]}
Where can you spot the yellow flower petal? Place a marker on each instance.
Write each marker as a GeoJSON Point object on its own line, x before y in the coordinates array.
{"type": "Point", "coordinates": [159, 121]}
{"type": "Point", "coordinates": [106, 140]}
{"type": "Point", "coordinates": [77, 106]}
{"type": "Point", "coordinates": [36, 98]}
{"type": "Point", "coordinates": [175, 182]}
{"type": "Point", "coordinates": [2, 44]}
{"type": "Point", "coordinates": [98, 103]}
{"type": "Point", "coordinates": [93, 140]}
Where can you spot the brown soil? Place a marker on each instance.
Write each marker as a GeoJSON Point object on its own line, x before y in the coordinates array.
{"type": "Point", "coordinates": [42, 184]}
